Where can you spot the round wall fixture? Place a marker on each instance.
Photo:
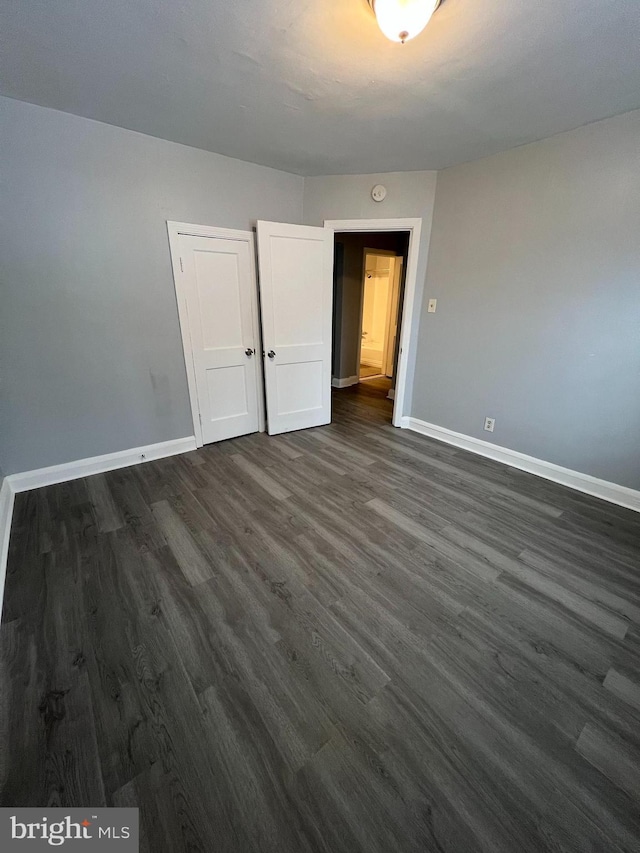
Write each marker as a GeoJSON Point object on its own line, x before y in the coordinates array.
{"type": "Point", "coordinates": [378, 193]}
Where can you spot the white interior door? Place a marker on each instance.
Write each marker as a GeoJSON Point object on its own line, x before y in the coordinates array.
{"type": "Point", "coordinates": [218, 278]}
{"type": "Point", "coordinates": [394, 305]}
{"type": "Point", "coordinates": [296, 292]}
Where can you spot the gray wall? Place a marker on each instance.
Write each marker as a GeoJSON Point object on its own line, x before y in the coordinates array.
{"type": "Point", "coordinates": [89, 337]}
{"type": "Point", "coordinates": [535, 262]}
{"type": "Point", "coordinates": [347, 311]}
{"type": "Point", "coordinates": [409, 194]}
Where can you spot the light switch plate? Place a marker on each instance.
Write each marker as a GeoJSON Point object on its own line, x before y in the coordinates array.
{"type": "Point", "coordinates": [431, 308]}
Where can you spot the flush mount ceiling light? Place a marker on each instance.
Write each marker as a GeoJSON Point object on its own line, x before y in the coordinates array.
{"type": "Point", "coordinates": [401, 20]}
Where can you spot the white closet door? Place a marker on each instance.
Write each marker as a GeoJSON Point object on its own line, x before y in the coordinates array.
{"type": "Point", "coordinates": [221, 301]}
{"type": "Point", "coordinates": [296, 292]}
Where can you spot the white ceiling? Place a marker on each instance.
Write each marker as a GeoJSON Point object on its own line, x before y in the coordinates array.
{"type": "Point", "coordinates": [312, 86]}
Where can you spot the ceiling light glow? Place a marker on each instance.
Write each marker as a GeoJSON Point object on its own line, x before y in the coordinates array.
{"type": "Point", "coordinates": [401, 20]}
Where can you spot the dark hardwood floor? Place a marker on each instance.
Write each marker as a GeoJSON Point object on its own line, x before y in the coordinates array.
{"type": "Point", "coordinates": [345, 639]}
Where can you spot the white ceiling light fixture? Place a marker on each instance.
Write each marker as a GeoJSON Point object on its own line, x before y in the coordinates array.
{"type": "Point", "coordinates": [401, 20]}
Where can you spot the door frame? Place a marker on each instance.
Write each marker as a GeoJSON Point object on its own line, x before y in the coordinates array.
{"type": "Point", "coordinates": [176, 230]}
{"type": "Point", "coordinates": [389, 253]}
{"type": "Point", "coordinates": [392, 317]}
{"type": "Point", "coordinates": [414, 227]}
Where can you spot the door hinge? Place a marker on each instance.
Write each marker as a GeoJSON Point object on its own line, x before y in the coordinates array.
{"type": "Point", "coordinates": [181, 267]}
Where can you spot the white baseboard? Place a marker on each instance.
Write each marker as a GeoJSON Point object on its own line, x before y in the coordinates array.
{"type": "Point", "coordinates": [344, 383]}
{"type": "Point", "coordinates": [612, 492]}
{"type": "Point", "coordinates": [73, 471]}
{"type": "Point", "coordinates": [98, 464]}
{"type": "Point", "coordinates": [6, 512]}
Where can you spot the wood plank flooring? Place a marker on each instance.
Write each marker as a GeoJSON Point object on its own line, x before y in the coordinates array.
{"type": "Point", "coordinates": [345, 639]}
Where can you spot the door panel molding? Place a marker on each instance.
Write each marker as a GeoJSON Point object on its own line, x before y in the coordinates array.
{"type": "Point", "coordinates": [296, 295]}
{"type": "Point", "coordinates": [177, 230]}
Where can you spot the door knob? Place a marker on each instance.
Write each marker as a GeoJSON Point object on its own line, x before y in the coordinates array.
{"type": "Point", "coordinates": [249, 352]}
{"type": "Point", "coordinates": [271, 354]}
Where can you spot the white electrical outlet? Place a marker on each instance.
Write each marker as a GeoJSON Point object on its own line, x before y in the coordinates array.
{"type": "Point", "coordinates": [489, 424]}
{"type": "Point", "coordinates": [431, 307]}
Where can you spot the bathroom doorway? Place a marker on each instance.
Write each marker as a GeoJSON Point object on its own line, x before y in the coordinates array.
{"type": "Point", "coordinates": [379, 315]}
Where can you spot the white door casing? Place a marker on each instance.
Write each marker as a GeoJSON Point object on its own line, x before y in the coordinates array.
{"type": "Point", "coordinates": [296, 294]}
{"type": "Point", "coordinates": [377, 263]}
{"type": "Point", "coordinates": [394, 304]}
{"type": "Point", "coordinates": [217, 298]}
{"type": "Point", "coordinates": [388, 328]}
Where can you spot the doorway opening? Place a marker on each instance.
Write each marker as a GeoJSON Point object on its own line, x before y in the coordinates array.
{"type": "Point", "coordinates": [369, 283]}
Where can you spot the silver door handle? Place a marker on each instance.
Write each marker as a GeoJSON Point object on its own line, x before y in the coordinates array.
{"type": "Point", "coordinates": [271, 354]}
{"type": "Point", "coordinates": [249, 352]}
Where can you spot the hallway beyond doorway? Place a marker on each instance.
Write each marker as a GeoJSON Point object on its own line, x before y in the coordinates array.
{"type": "Point", "coordinates": [366, 371]}
{"type": "Point", "coordinates": [369, 398]}
{"type": "Point", "coordinates": [369, 282]}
